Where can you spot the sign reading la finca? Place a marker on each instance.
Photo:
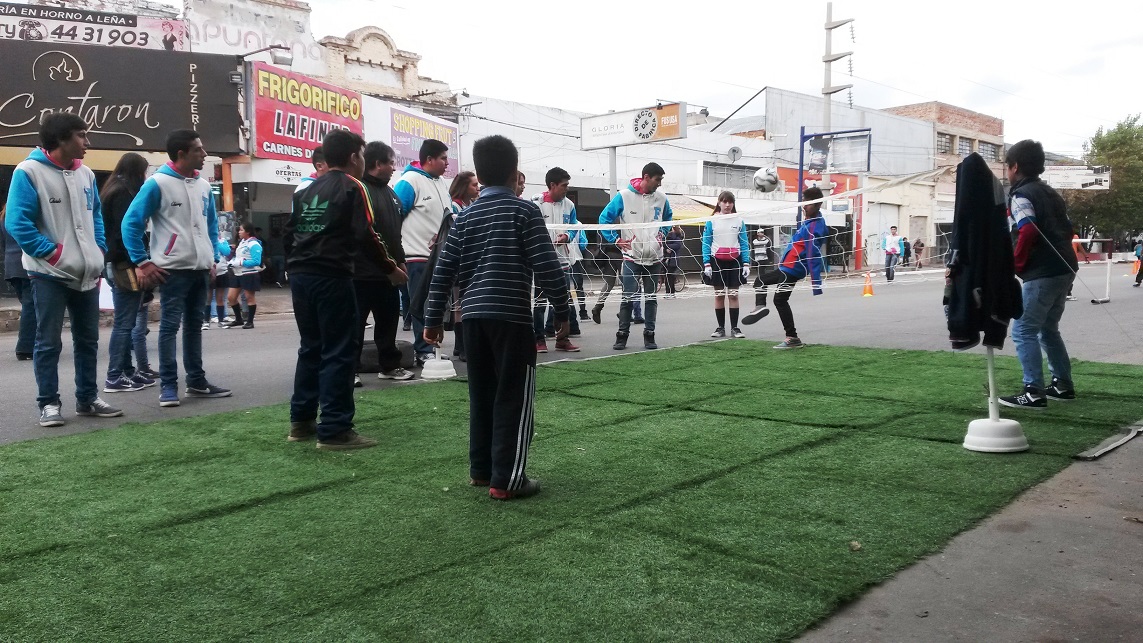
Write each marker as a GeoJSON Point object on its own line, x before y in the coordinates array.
{"type": "Point", "coordinates": [660, 123]}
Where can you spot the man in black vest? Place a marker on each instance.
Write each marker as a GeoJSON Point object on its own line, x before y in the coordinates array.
{"type": "Point", "coordinates": [1046, 264]}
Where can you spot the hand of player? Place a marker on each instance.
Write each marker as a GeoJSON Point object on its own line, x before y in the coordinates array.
{"type": "Point", "coordinates": [562, 238]}
{"type": "Point", "coordinates": [562, 330]}
{"type": "Point", "coordinates": [745, 272]}
{"type": "Point", "coordinates": [434, 336]}
{"type": "Point", "coordinates": [707, 272]}
{"type": "Point", "coordinates": [150, 275]}
{"type": "Point", "coordinates": [623, 244]}
{"type": "Point", "coordinates": [398, 276]}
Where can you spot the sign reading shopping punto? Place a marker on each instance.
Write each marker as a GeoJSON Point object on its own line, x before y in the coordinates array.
{"type": "Point", "coordinates": [293, 113]}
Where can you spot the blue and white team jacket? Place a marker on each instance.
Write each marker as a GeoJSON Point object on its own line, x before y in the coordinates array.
{"type": "Point", "coordinates": [184, 223]}
{"type": "Point", "coordinates": [630, 205]}
{"type": "Point", "coordinates": [54, 215]}
{"type": "Point", "coordinates": [724, 238]}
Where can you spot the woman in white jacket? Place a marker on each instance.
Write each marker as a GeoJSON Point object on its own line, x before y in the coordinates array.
{"type": "Point", "coordinates": [246, 266]}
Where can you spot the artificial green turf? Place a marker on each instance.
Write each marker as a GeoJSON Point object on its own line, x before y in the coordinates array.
{"type": "Point", "coordinates": [707, 492]}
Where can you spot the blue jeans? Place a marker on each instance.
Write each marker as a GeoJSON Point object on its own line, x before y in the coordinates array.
{"type": "Point", "coordinates": [26, 340]}
{"type": "Point", "coordinates": [1040, 326]}
{"type": "Point", "coordinates": [325, 310]}
{"type": "Point", "coordinates": [635, 275]}
{"type": "Point", "coordinates": [139, 336]}
{"type": "Point", "coordinates": [126, 316]}
{"type": "Point", "coordinates": [417, 272]}
{"type": "Point", "coordinates": [52, 298]}
{"type": "Point", "coordinates": [890, 265]}
{"type": "Point", "coordinates": [181, 300]}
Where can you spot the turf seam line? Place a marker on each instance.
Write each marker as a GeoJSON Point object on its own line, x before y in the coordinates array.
{"type": "Point", "coordinates": [192, 517]}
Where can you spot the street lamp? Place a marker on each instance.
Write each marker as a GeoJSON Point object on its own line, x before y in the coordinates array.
{"type": "Point", "coordinates": [279, 54]}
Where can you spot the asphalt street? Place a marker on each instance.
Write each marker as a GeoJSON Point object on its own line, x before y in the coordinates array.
{"type": "Point", "coordinates": [258, 364]}
{"type": "Point", "coordinates": [1060, 563]}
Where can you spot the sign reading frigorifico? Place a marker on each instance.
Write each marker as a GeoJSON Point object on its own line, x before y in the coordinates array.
{"type": "Point", "coordinates": [293, 113]}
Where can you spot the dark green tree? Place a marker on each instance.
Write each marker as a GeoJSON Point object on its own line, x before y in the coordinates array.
{"type": "Point", "coordinates": [1118, 212]}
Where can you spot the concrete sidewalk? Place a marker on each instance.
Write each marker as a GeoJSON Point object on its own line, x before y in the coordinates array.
{"type": "Point", "coordinates": [1064, 562]}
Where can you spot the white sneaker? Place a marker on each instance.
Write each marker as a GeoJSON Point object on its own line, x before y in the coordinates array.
{"type": "Point", "coordinates": [206, 325]}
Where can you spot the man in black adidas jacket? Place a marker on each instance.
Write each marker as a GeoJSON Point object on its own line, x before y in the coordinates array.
{"type": "Point", "coordinates": [331, 224]}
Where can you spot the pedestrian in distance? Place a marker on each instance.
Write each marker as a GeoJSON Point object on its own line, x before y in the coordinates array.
{"type": "Point", "coordinates": [178, 204]}
{"type": "Point", "coordinates": [894, 247]}
{"type": "Point", "coordinates": [331, 223]}
{"type": "Point", "coordinates": [919, 252]}
{"type": "Point", "coordinates": [53, 214]}
{"type": "Point", "coordinates": [1047, 266]}
{"type": "Point", "coordinates": [726, 262]}
{"type": "Point", "coordinates": [496, 300]}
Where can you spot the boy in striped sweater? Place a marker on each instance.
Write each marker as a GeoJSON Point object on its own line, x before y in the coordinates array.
{"type": "Point", "coordinates": [492, 252]}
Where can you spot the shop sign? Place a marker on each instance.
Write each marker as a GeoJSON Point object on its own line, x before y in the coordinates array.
{"type": "Point", "coordinates": [293, 113]}
{"type": "Point", "coordinates": [130, 100]}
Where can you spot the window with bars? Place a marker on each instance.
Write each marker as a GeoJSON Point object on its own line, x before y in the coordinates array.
{"type": "Point", "coordinates": [988, 151]}
{"type": "Point", "coordinates": [944, 143]}
{"type": "Point", "coordinates": [964, 146]}
{"type": "Point", "coordinates": [728, 176]}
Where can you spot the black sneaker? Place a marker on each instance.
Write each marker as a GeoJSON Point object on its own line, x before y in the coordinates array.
{"type": "Point", "coordinates": [620, 341]}
{"type": "Point", "coordinates": [206, 389]}
{"type": "Point", "coordinates": [719, 332]}
{"type": "Point", "coordinates": [1057, 392]}
{"type": "Point", "coordinates": [737, 333]}
{"type": "Point", "coordinates": [595, 311]}
{"type": "Point", "coordinates": [1029, 399]}
{"type": "Point", "coordinates": [755, 315]}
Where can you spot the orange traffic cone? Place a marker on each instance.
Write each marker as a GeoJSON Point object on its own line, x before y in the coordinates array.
{"type": "Point", "coordinates": [868, 290]}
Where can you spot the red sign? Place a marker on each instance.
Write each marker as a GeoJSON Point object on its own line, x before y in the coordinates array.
{"type": "Point", "coordinates": [841, 182]}
{"type": "Point", "coordinates": [293, 113]}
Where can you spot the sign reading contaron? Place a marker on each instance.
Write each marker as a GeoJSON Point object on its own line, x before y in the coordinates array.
{"type": "Point", "coordinates": [64, 25]}
{"type": "Point", "coordinates": [130, 99]}
{"type": "Point", "coordinates": [648, 125]}
{"type": "Point", "coordinates": [293, 113]}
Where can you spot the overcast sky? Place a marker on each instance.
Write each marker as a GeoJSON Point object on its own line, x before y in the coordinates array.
{"type": "Point", "coordinates": [1053, 71]}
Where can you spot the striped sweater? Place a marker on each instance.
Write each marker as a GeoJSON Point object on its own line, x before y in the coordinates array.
{"type": "Point", "coordinates": [492, 252]}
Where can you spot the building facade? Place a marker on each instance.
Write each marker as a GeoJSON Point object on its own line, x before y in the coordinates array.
{"type": "Point", "coordinates": [958, 132]}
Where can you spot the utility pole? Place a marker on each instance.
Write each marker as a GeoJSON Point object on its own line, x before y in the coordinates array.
{"type": "Point", "coordinates": [828, 90]}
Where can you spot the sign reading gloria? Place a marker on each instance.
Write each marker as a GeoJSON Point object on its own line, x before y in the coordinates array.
{"type": "Point", "coordinates": [1077, 177]}
{"type": "Point", "coordinates": [660, 123]}
{"type": "Point", "coordinates": [410, 129]}
{"type": "Point", "coordinates": [293, 113]}
{"type": "Point", "coordinates": [102, 86]}
{"type": "Point", "coordinates": [74, 26]}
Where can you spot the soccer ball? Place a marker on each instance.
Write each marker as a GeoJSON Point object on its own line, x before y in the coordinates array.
{"type": "Point", "coordinates": [766, 179]}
